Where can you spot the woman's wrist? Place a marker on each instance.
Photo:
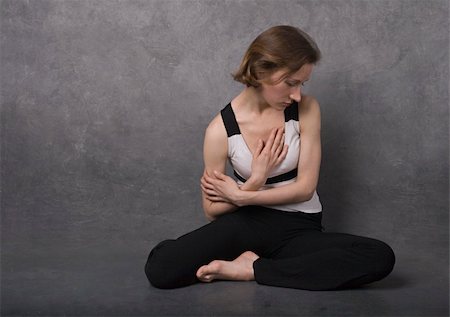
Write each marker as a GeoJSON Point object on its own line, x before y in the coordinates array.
{"type": "Point", "coordinates": [253, 183]}
{"type": "Point", "coordinates": [243, 197]}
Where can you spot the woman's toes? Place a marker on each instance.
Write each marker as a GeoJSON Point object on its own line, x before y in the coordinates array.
{"type": "Point", "coordinates": [206, 273]}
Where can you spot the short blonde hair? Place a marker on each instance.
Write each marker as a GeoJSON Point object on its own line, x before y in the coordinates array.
{"type": "Point", "coordinates": [280, 47]}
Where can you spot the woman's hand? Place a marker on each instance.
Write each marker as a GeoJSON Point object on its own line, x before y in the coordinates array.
{"type": "Point", "coordinates": [220, 188]}
{"type": "Point", "coordinates": [268, 155]}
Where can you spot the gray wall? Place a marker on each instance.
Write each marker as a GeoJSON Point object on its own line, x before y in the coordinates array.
{"type": "Point", "coordinates": [104, 106]}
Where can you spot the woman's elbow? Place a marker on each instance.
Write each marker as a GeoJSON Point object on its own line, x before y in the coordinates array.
{"type": "Point", "coordinates": [213, 211]}
{"type": "Point", "coordinates": [305, 196]}
{"type": "Point", "coordinates": [208, 213]}
{"type": "Point", "coordinates": [208, 216]}
{"type": "Point", "coordinates": [310, 194]}
{"type": "Point", "coordinates": [305, 193]}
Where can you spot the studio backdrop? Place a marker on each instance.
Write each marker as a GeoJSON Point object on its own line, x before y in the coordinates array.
{"type": "Point", "coordinates": [105, 104]}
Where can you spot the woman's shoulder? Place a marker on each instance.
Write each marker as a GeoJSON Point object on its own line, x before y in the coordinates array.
{"type": "Point", "coordinates": [308, 103]}
{"type": "Point", "coordinates": [216, 140]}
{"type": "Point", "coordinates": [309, 112]}
{"type": "Point", "coordinates": [216, 129]}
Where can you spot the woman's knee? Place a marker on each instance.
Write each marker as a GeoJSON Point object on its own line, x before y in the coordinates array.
{"type": "Point", "coordinates": [159, 268]}
{"type": "Point", "coordinates": [383, 258]}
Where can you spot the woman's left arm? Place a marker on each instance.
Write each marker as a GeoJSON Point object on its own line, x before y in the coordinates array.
{"type": "Point", "coordinates": [308, 167]}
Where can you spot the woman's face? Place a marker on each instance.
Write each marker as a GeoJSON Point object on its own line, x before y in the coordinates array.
{"type": "Point", "coordinates": [279, 90]}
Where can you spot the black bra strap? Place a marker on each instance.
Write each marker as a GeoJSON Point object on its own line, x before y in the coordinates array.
{"type": "Point", "coordinates": [229, 120]}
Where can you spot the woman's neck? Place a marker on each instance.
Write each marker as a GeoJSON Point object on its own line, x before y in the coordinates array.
{"type": "Point", "coordinates": [250, 99]}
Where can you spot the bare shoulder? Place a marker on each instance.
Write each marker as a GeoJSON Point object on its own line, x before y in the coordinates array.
{"type": "Point", "coordinates": [215, 147]}
{"type": "Point", "coordinates": [308, 104]}
{"type": "Point", "coordinates": [216, 129]}
{"type": "Point", "coordinates": [309, 113]}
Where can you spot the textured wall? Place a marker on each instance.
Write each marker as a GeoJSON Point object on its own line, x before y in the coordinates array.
{"type": "Point", "coordinates": [104, 105]}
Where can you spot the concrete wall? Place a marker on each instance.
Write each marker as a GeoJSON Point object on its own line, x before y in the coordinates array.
{"type": "Point", "coordinates": [105, 102]}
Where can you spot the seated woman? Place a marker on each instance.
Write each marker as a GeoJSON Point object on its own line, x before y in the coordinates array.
{"type": "Point", "coordinates": [266, 226]}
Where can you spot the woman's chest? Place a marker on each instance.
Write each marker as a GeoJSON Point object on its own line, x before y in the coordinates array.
{"type": "Point", "coordinates": [253, 131]}
{"type": "Point", "coordinates": [240, 154]}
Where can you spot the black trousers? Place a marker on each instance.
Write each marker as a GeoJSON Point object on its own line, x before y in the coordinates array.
{"type": "Point", "coordinates": [294, 252]}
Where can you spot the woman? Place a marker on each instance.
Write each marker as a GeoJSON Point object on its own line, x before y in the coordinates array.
{"type": "Point", "coordinates": [267, 225]}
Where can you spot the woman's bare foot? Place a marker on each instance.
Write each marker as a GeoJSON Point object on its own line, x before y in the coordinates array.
{"type": "Point", "coordinates": [240, 269]}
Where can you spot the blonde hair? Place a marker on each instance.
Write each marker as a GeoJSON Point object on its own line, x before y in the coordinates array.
{"type": "Point", "coordinates": [280, 47]}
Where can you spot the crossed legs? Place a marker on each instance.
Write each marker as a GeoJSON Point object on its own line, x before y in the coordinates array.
{"type": "Point", "coordinates": [238, 247]}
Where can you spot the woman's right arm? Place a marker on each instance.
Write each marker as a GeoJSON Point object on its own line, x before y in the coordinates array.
{"type": "Point", "coordinates": [215, 152]}
{"type": "Point", "coordinates": [215, 155]}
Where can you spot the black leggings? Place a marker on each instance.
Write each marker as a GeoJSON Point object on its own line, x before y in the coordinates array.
{"type": "Point", "coordinates": [293, 251]}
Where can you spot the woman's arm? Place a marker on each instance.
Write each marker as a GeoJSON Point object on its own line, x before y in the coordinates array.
{"type": "Point", "coordinates": [215, 153]}
{"type": "Point", "coordinates": [308, 166]}
{"type": "Point", "coordinates": [215, 149]}
{"type": "Point", "coordinates": [267, 155]}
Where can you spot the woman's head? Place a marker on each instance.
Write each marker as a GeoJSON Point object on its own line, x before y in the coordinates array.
{"type": "Point", "coordinates": [278, 48]}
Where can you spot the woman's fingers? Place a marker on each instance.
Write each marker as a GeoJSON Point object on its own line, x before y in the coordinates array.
{"type": "Point", "coordinates": [273, 151]}
{"type": "Point", "coordinates": [211, 194]}
{"type": "Point", "coordinates": [282, 155]}
{"type": "Point", "coordinates": [212, 183]}
{"type": "Point", "coordinates": [216, 199]}
{"type": "Point", "coordinates": [280, 146]}
{"type": "Point", "coordinates": [270, 141]}
{"type": "Point", "coordinates": [275, 141]}
{"type": "Point", "coordinates": [219, 175]}
{"type": "Point", "coordinates": [278, 150]}
{"type": "Point", "coordinates": [278, 138]}
{"type": "Point", "coordinates": [207, 188]}
{"type": "Point", "coordinates": [259, 148]}
{"type": "Point", "coordinates": [208, 185]}
{"type": "Point", "coordinates": [275, 138]}
{"type": "Point", "coordinates": [221, 178]}
{"type": "Point", "coordinates": [205, 183]}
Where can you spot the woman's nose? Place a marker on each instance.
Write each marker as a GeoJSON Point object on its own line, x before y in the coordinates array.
{"type": "Point", "coordinates": [296, 95]}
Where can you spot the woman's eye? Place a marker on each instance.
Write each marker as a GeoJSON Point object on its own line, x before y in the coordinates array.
{"type": "Point", "coordinates": [290, 84]}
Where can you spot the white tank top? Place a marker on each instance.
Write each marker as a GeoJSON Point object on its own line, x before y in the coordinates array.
{"type": "Point", "coordinates": [240, 158]}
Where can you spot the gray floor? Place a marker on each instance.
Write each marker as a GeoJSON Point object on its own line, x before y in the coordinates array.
{"type": "Point", "coordinates": [108, 279]}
